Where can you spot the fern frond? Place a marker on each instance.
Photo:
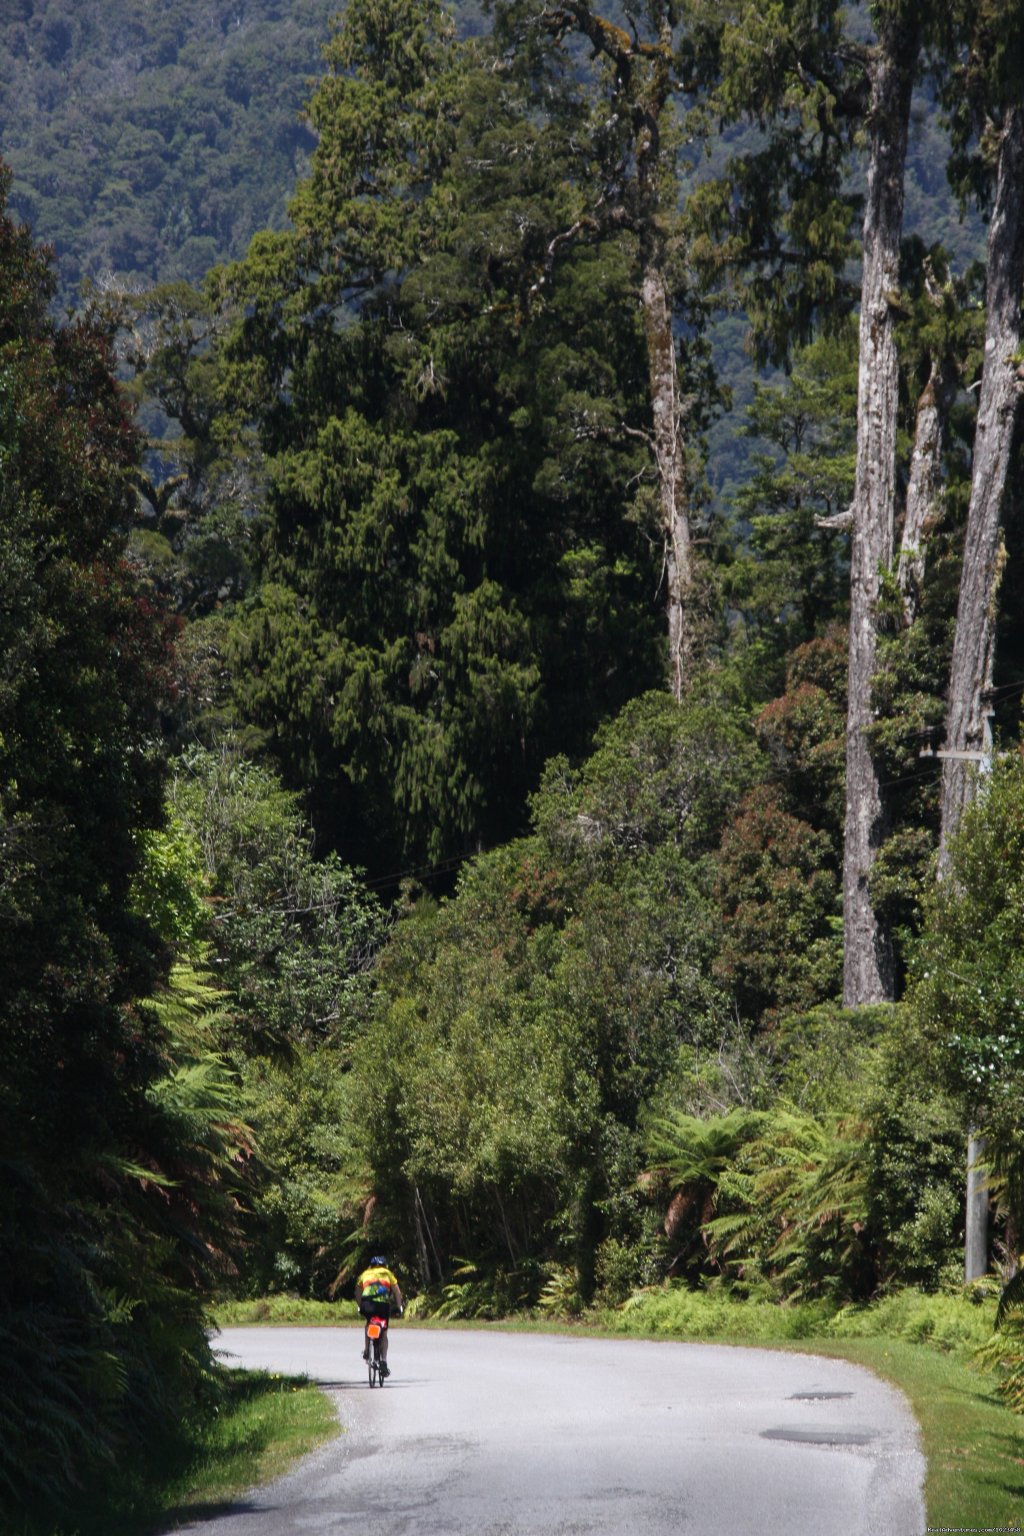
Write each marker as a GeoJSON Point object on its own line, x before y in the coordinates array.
{"type": "Point", "coordinates": [1011, 1301]}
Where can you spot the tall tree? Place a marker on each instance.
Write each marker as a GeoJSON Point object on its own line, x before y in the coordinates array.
{"type": "Point", "coordinates": [987, 95]}
{"type": "Point", "coordinates": [200, 477]}
{"type": "Point", "coordinates": [788, 581]}
{"type": "Point", "coordinates": [811, 86]}
{"type": "Point", "coordinates": [868, 975]}
{"type": "Point", "coordinates": [991, 111]}
{"type": "Point", "coordinates": [451, 589]}
{"type": "Point", "coordinates": [631, 87]}
{"type": "Point", "coordinates": [941, 302]}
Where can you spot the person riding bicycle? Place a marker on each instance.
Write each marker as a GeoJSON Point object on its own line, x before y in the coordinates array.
{"type": "Point", "coordinates": [377, 1291]}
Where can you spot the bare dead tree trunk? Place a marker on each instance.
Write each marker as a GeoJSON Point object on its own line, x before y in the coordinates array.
{"type": "Point", "coordinates": [662, 365]}
{"type": "Point", "coordinates": [924, 487]}
{"type": "Point", "coordinates": [970, 676]}
{"type": "Point", "coordinates": [868, 963]}
{"type": "Point", "coordinates": [673, 492]}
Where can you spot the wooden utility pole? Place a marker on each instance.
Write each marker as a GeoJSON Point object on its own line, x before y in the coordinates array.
{"type": "Point", "coordinates": [976, 1215]}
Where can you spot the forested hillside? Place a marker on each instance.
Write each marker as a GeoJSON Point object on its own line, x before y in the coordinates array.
{"type": "Point", "coordinates": [149, 141]}
{"type": "Point", "coordinates": [432, 821]}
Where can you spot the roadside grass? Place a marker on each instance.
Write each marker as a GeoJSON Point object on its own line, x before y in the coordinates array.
{"type": "Point", "coordinates": [262, 1424]}
{"type": "Point", "coordinates": [266, 1423]}
{"type": "Point", "coordinates": [283, 1310]}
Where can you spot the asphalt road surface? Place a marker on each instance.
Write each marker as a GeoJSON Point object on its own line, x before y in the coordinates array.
{"type": "Point", "coordinates": [501, 1434]}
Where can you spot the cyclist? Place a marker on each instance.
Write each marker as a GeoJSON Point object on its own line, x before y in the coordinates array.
{"type": "Point", "coordinates": [377, 1291]}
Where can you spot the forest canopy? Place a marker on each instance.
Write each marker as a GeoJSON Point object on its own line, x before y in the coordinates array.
{"type": "Point", "coordinates": [511, 638]}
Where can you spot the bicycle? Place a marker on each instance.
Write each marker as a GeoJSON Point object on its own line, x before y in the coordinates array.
{"type": "Point", "coordinates": [375, 1329]}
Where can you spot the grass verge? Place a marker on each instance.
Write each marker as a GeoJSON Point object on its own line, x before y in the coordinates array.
{"type": "Point", "coordinates": [261, 1424]}
{"type": "Point", "coordinates": [266, 1423]}
{"type": "Point", "coordinates": [291, 1310]}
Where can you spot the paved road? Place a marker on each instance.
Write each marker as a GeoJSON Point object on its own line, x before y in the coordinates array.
{"type": "Point", "coordinates": [493, 1434]}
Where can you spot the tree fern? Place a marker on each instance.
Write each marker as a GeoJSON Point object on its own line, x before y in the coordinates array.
{"type": "Point", "coordinates": [694, 1151]}
{"type": "Point", "coordinates": [785, 1193]}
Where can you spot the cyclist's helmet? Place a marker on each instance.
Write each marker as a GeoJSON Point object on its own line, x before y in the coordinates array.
{"type": "Point", "coordinates": [378, 1261]}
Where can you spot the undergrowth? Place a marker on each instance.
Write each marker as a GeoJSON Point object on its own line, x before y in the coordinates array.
{"type": "Point", "coordinates": [283, 1309]}
{"type": "Point", "coordinates": [959, 1323]}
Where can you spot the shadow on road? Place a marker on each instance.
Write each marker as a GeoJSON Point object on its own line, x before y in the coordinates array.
{"type": "Point", "coordinates": [395, 1384]}
{"type": "Point", "coordinates": [193, 1513]}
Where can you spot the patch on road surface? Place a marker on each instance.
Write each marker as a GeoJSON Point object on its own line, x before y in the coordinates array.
{"type": "Point", "coordinates": [818, 1434]}
{"type": "Point", "coordinates": [819, 1397]}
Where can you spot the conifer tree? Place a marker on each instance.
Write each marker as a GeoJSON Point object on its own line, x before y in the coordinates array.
{"type": "Point", "coordinates": [450, 587]}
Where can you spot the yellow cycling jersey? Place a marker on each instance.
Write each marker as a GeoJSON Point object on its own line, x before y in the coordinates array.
{"type": "Point", "coordinates": [376, 1284]}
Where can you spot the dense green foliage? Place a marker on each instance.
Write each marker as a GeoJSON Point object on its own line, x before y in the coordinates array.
{"type": "Point", "coordinates": [119, 1130]}
{"type": "Point", "coordinates": [446, 472]}
{"type": "Point", "coordinates": [293, 935]}
{"type": "Point", "coordinates": [388, 593]}
{"type": "Point", "coordinates": [967, 987]}
{"type": "Point", "coordinates": [541, 1009]}
{"type": "Point", "coordinates": [149, 141]}
{"type": "Point", "coordinates": [966, 996]}
{"type": "Point", "coordinates": [291, 939]}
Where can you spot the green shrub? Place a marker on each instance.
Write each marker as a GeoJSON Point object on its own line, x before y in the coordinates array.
{"type": "Point", "coordinates": [282, 1309]}
{"type": "Point", "coordinates": [560, 1294]}
{"type": "Point", "coordinates": [954, 1324]}
{"type": "Point", "coordinates": [675, 1310]}
{"type": "Point", "coordinates": [958, 1324]}
{"type": "Point", "coordinates": [618, 1266]}
{"type": "Point", "coordinates": [481, 1291]}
